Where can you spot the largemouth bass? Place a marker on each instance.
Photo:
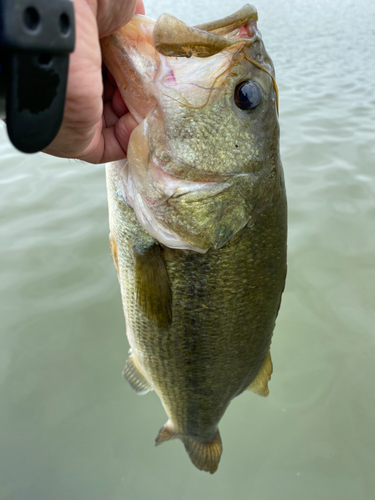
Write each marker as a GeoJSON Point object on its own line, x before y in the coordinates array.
{"type": "Point", "coordinates": [198, 218]}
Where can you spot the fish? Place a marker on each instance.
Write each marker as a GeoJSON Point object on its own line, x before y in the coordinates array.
{"type": "Point", "coordinates": [198, 217]}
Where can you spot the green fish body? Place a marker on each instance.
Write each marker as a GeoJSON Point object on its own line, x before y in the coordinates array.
{"type": "Point", "coordinates": [198, 218]}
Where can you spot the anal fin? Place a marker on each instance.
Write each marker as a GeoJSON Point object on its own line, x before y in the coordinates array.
{"type": "Point", "coordinates": [260, 384]}
{"type": "Point", "coordinates": [135, 377]}
{"type": "Point", "coordinates": [165, 434]}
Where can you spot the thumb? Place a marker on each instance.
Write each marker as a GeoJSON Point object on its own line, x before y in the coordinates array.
{"type": "Point", "coordinates": [113, 14]}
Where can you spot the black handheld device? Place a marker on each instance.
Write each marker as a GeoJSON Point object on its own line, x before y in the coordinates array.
{"type": "Point", "coordinates": [36, 38]}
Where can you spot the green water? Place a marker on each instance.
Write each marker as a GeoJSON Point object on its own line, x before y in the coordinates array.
{"type": "Point", "coordinates": [70, 426]}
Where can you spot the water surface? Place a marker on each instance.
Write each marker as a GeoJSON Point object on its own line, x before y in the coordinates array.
{"type": "Point", "coordinates": [72, 428]}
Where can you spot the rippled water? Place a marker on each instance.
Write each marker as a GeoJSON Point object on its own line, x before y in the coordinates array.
{"type": "Point", "coordinates": [71, 427]}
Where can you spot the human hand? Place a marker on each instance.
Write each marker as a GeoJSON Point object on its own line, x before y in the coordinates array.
{"type": "Point", "coordinates": [97, 125]}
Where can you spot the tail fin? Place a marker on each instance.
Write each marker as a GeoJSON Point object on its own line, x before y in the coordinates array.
{"type": "Point", "coordinates": [205, 455]}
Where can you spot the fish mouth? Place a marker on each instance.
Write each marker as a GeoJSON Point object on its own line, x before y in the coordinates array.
{"type": "Point", "coordinates": [138, 56]}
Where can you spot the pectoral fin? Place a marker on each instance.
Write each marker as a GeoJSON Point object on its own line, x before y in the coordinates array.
{"type": "Point", "coordinates": [260, 384]}
{"type": "Point", "coordinates": [153, 289]}
{"type": "Point", "coordinates": [113, 250]}
{"type": "Point", "coordinates": [135, 377]}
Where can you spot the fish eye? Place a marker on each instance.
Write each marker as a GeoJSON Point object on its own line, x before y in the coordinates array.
{"type": "Point", "coordinates": [248, 95]}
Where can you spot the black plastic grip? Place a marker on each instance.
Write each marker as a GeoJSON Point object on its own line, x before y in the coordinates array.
{"type": "Point", "coordinates": [36, 38]}
{"type": "Point", "coordinates": [37, 25]}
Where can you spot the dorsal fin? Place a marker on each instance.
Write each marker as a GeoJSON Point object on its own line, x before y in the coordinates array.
{"type": "Point", "coordinates": [135, 377]}
{"type": "Point", "coordinates": [152, 285]}
{"type": "Point", "coordinates": [260, 384]}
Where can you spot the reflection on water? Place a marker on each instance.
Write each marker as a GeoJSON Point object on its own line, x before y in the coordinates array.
{"type": "Point", "coordinates": [72, 428]}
